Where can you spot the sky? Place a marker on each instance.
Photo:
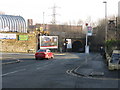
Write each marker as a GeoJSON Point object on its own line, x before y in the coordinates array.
{"type": "Point", "coordinates": [68, 11]}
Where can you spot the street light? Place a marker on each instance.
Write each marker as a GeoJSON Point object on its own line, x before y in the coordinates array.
{"type": "Point", "coordinates": [105, 20]}
{"type": "Point", "coordinates": [106, 24]}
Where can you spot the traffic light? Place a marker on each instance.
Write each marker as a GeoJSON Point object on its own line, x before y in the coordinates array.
{"type": "Point", "coordinates": [86, 24]}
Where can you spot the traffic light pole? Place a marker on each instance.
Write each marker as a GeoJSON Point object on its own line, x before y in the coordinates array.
{"type": "Point", "coordinates": [86, 39]}
{"type": "Point", "coordinates": [86, 46]}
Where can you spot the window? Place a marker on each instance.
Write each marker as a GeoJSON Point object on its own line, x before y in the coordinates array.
{"type": "Point", "coordinates": [41, 50]}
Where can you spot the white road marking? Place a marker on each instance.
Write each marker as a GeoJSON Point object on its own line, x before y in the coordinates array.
{"type": "Point", "coordinates": [12, 72]}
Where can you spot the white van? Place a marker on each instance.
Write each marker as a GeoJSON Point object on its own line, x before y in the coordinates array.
{"type": "Point", "coordinates": [114, 61]}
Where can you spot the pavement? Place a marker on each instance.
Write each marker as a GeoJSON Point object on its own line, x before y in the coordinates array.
{"type": "Point", "coordinates": [97, 69]}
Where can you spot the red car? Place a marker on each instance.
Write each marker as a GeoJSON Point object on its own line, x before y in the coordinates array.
{"type": "Point", "coordinates": [43, 53]}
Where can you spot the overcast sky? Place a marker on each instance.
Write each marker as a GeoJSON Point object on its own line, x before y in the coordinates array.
{"type": "Point", "coordinates": [67, 11]}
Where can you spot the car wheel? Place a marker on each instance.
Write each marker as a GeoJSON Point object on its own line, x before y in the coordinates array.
{"type": "Point", "coordinates": [36, 58]}
{"type": "Point", "coordinates": [52, 57]}
{"type": "Point", "coordinates": [48, 58]}
{"type": "Point", "coordinates": [107, 63]}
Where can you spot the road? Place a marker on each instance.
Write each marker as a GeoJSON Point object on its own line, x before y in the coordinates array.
{"type": "Point", "coordinates": [53, 73]}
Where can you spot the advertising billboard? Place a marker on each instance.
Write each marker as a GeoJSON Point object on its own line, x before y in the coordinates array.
{"type": "Point", "coordinates": [7, 36]}
{"type": "Point", "coordinates": [69, 44]}
{"type": "Point", "coordinates": [48, 42]}
{"type": "Point", "coordinates": [23, 37]}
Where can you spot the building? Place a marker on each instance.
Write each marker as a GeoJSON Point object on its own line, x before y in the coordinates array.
{"type": "Point", "coordinates": [64, 31]}
{"type": "Point", "coordinates": [10, 23]}
{"type": "Point", "coordinates": [30, 22]}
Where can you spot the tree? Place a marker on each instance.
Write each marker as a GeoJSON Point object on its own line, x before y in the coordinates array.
{"type": "Point", "coordinates": [98, 38]}
{"type": "Point", "coordinates": [80, 22]}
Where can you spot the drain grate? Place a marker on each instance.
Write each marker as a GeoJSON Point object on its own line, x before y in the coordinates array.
{"type": "Point", "coordinates": [96, 74]}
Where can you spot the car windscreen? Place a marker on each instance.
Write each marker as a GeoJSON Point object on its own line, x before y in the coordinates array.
{"type": "Point", "coordinates": [41, 50]}
{"type": "Point", "coordinates": [115, 58]}
{"type": "Point", "coordinates": [115, 55]}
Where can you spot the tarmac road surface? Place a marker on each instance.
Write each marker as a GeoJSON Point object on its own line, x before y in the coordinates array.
{"type": "Point", "coordinates": [59, 72]}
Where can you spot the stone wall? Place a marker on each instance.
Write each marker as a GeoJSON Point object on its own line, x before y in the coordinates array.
{"type": "Point", "coordinates": [15, 45]}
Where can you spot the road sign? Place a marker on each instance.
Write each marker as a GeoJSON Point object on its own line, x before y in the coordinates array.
{"type": "Point", "coordinates": [89, 31]}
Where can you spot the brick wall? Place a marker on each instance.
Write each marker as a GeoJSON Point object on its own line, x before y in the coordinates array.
{"type": "Point", "coordinates": [15, 45]}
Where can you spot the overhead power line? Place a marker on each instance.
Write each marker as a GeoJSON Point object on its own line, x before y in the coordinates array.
{"type": "Point", "coordinates": [54, 14]}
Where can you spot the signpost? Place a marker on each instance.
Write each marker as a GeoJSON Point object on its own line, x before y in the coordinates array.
{"type": "Point", "coordinates": [88, 33]}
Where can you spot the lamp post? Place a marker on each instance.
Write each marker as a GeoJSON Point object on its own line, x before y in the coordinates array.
{"type": "Point", "coordinates": [105, 20]}
{"type": "Point", "coordinates": [106, 24]}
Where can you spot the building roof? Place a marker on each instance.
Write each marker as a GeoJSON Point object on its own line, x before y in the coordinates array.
{"type": "Point", "coordinates": [12, 23]}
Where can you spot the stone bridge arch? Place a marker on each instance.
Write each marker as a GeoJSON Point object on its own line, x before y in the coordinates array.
{"type": "Point", "coordinates": [78, 46]}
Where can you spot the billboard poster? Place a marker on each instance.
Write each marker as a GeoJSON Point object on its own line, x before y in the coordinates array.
{"type": "Point", "coordinates": [48, 42]}
{"type": "Point", "coordinates": [69, 44]}
{"type": "Point", "coordinates": [23, 37]}
{"type": "Point", "coordinates": [7, 36]}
